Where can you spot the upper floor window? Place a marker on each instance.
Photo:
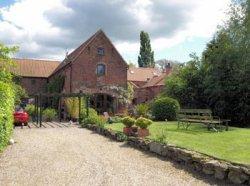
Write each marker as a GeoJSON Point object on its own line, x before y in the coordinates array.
{"type": "Point", "coordinates": [101, 70]}
{"type": "Point", "coordinates": [100, 51]}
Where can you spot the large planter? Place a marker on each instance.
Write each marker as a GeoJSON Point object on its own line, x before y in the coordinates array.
{"type": "Point", "coordinates": [127, 130]}
{"type": "Point", "coordinates": [130, 131]}
{"type": "Point", "coordinates": [143, 133]}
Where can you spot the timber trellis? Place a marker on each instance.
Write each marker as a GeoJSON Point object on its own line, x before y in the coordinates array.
{"type": "Point", "coordinates": [39, 98]}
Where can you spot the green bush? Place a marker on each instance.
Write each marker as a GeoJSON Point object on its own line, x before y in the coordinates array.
{"type": "Point", "coordinates": [128, 121]}
{"type": "Point", "coordinates": [83, 114]}
{"type": "Point", "coordinates": [143, 123]}
{"type": "Point", "coordinates": [6, 113]}
{"type": "Point", "coordinates": [165, 108]}
{"type": "Point", "coordinates": [93, 118]}
{"type": "Point", "coordinates": [30, 109]}
{"type": "Point", "coordinates": [49, 114]}
{"type": "Point", "coordinates": [116, 119]}
{"type": "Point", "coordinates": [142, 110]}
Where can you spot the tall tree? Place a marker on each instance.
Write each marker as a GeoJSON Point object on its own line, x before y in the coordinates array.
{"type": "Point", "coordinates": [221, 79]}
{"type": "Point", "coordinates": [146, 57]}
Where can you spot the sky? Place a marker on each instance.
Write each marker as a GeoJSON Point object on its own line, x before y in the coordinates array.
{"type": "Point", "coordinates": [47, 29]}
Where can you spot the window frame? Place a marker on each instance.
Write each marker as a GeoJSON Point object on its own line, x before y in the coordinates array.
{"type": "Point", "coordinates": [100, 53]}
{"type": "Point", "coordinates": [105, 69]}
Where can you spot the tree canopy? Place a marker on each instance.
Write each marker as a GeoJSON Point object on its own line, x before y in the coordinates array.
{"type": "Point", "coordinates": [146, 57]}
{"type": "Point", "coordinates": [220, 80]}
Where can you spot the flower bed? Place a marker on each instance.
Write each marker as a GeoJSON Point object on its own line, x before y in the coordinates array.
{"type": "Point", "coordinates": [223, 170]}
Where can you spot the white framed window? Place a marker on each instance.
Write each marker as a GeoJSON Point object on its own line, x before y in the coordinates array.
{"type": "Point", "coordinates": [101, 70]}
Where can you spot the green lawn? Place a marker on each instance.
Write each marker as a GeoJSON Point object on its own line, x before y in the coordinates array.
{"type": "Point", "coordinates": [232, 145]}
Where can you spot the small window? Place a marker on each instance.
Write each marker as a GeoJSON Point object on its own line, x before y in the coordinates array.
{"type": "Point", "coordinates": [101, 70]}
{"type": "Point", "coordinates": [100, 51]}
{"type": "Point", "coordinates": [33, 81]}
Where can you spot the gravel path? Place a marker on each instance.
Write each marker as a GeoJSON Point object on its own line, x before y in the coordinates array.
{"type": "Point", "coordinates": [74, 156]}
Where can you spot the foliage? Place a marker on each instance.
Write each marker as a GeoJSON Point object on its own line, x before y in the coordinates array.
{"type": "Point", "coordinates": [121, 136]}
{"type": "Point", "coordinates": [93, 118]}
{"type": "Point", "coordinates": [165, 108]}
{"type": "Point", "coordinates": [228, 145]}
{"type": "Point", "coordinates": [72, 105]}
{"type": "Point", "coordinates": [83, 114]}
{"type": "Point", "coordinates": [128, 121]}
{"type": "Point", "coordinates": [20, 93]}
{"type": "Point", "coordinates": [7, 94]}
{"type": "Point", "coordinates": [55, 86]}
{"type": "Point", "coordinates": [220, 79]}
{"type": "Point", "coordinates": [116, 119]}
{"type": "Point", "coordinates": [6, 113]}
{"type": "Point", "coordinates": [142, 110]}
{"type": "Point", "coordinates": [146, 57]}
{"type": "Point", "coordinates": [124, 95]}
{"type": "Point", "coordinates": [161, 137]}
{"type": "Point", "coordinates": [6, 63]}
{"type": "Point", "coordinates": [185, 85]}
{"type": "Point", "coordinates": [30, 109]}
{"type": "Point", "coordinates": [131, 65]}
{"type": "Point", "coordinates": [143, 123]}
{"type": "Point", "coordinates": [227, 68]}
{"type": "Point", "coordinates": [49, 114]}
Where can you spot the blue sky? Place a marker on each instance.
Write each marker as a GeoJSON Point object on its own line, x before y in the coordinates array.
{"type": "Point", "coordinates": [4, 3]}
{"type": "Point", "coordinates": [47, 29]}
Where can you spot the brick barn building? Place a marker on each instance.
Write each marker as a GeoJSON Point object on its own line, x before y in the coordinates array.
{"type": "Point", "coordinates": [96, 68]}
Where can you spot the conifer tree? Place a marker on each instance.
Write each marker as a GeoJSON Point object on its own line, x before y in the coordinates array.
{"type": "Point", "coordinates": [146, 57]}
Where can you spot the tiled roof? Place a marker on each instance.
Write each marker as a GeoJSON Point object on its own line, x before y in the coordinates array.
{"type": "Point", "coordinates": [73, 55]}
{"type": "Point", "coordinates": [156, 81]}
{"type": "Point", "coordinates": [142, 74]}
{"type": "Point", "coordinates": [34, 67]}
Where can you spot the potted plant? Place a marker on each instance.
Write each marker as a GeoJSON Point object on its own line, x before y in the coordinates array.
{"type": "Point", "coordinates": [128, 122]}
{"type": "Point", "coordinates": [143, 123]}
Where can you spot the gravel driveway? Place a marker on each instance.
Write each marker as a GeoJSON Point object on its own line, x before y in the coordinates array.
{"type": "Point", "coordinates": [74, 156]}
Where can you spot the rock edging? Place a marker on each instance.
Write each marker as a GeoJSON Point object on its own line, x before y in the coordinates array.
{"type": "Point", "coordinates": [222, 170]}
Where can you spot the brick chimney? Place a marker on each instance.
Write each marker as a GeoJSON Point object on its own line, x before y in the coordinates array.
{"type": "Point", "coordinates": [167, 69]}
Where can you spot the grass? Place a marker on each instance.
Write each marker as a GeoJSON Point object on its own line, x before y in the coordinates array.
{"type": "Point", "coordinates": [232, 145]}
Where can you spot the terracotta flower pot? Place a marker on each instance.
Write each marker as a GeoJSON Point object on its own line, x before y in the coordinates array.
{"type": "Point", "coordinates": [143, 133]}
{"type": "Point", "coordinates": [134, 129]}
{"type": "Point", "coordinates": [127, 130]}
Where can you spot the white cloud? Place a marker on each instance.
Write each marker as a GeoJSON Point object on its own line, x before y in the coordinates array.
{"type": "Point", "coordinates": [46, 29]}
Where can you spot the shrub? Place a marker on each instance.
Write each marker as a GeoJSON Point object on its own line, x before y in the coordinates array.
{"type": "Point", "coordinates": [6, 113]}
{"type": "Point", "coordinates": [143, 123]}
{"type": "Point", "coordinates": [83, 114]}
{"type": "Point", "coordinates": [30, 109]}
{"type": "Point", "coordinates": [116, 119]}
{"type": "Point", "coordinates": [128, 121]}
{"type": "Point", "coordinates": [49, 114]}
{"type": "Point", "coordinates": [142, 110]}
{"type": "Point", "coordinates": [165, 108]}
{"type": "Point", "coordinates": [93, 118]}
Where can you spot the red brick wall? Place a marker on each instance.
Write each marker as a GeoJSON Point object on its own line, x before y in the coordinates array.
{"type": "Point", "coordinates": [84, 67]}
{"type": "Point", "coordinates": [33, 85]}
{"type": "Point", "coordinates": [143, 95]}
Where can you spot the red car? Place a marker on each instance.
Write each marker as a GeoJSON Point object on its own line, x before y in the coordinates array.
{"type": "Point", "coordinates": [21, 118]}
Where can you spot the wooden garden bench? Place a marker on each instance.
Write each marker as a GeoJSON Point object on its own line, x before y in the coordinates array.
{"type": "Point", "coordinates": [203, 116]}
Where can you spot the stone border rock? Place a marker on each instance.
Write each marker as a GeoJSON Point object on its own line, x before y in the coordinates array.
{"type": "Point", "coordinates": [222, 170]}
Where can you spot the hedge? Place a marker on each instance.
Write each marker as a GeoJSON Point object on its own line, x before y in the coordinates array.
{"type": "Point", "coordinates": [6, 113]}
{"type": "Point", "coordinates": [165, 108]}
